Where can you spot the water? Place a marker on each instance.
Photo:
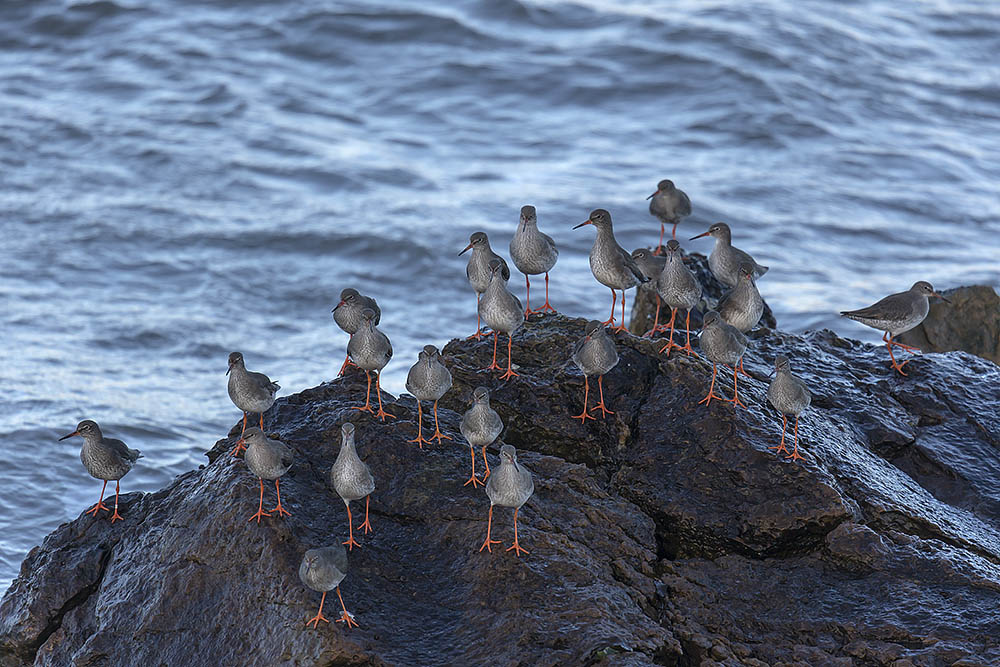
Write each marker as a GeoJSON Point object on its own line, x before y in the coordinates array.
{"type": "Point", "coordinates": [180, 180]}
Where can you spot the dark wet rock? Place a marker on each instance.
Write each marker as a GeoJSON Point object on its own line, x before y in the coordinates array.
{"type": "Point", "coordinates": [644, 306]}
{"type": "Point", "coordinates": [971, 322]}
{"type": "Point", "coordinates": [667, 533]}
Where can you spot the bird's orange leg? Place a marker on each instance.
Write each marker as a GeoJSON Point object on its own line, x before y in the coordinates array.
{"type": "Point", "coordinates": [473, 480]}
{"type": "Point", "coordinates": [600, 388]}
{"type": "Point", "coordinates": [420, 427]}
{"type": "Point", "coordinates": [437, 431]}
{"type": "Point", "coordinates": [614, 302]}
{"type": "Point", "coordinates": [367, 524]}
{"type": "Point", "coordinates": [278, 508]}
{"type": "Point", "coordinates": [494, 366]}
{"type": "Point", "coordinates": [795, 454]}
{"type": "Point", "coordinates": [895, 364]}
{"type": "Point", "coordinates": [659, 244]}
{"type": "Point", "coordinates": [381, 414]}
{"type": "Point", "coordinates": [116, 516]}
{"type": "Point", "coordinates": [673, 232]}
{"type": "Point", "coordinates": [585, 415]}
{"type": "Point", "coordinates": [239, 443]}
{"type": "Point", "coordinates": [351, 543]}
{"type": "Point", "coordinates": [487, 544]}
{"type": "Point", "coordinates": [546, 306]}
{"type": "Point", "coordinates": [509, 373]}
{"type": "Point", "coordinates": [100, 502]}
{"type": "Point", "coordinates": [260, 505]}
{"type": "Point", "coordinates": [908, 348]}
{"type": "Point", "coordinates": [314, 621]}
{"type": "Point", "coordinates": [347, 362]}
{"type": "Point", "coordinates": [621, 325]}
{"type": "Point", "coordinates": [516, 547]}
{"type": "Point", "coordinates": [345, 615]}
{"type": "Point", "coordinates": [687, 328]}
{"type": "Point", "coordinates": [670, 341]}
{"type": "Point", "coordinates": [486, 461]}
{"type": "Point", "coordinates": [367, 407]}
{"type": "Point", "coordinates": [527, 297]}
{"type": "Point", "coordinates": [261, 421]}
{"type": "Point", "coordinates": [711, 390]}
{"type": "Point", "coordinates": [781, 447]}
{"type": "Point", "coordinates": [479, 330]}
{"type": "Point", "coordinates": [656, 320]}
{"type": "Point", "coordinates": [735, 400]}
{"type": "Point", "coordinates": [739, 368]}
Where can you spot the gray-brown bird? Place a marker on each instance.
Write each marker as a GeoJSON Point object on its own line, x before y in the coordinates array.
{"type": "Point", "coordinates": [347, 315]}
{"type": "Point", "coordinates": [267, 459]}
{"type": "Point", "coordinates": [250, 392]}
{"type": "Point", "coordinates": [322, 570]}
{"type": "Point", "coordinates": [668, 205]}
{"type": "Point", "coordinates": [510, 485]}
{"type": "Point", "coordinates": [478, 270]}
{"type": "Point", "coordinates": [105, 459]}
{"type": "Point", "coordinates": [428, 380]}
{"type": "Point", "coordinates": [790, 396]}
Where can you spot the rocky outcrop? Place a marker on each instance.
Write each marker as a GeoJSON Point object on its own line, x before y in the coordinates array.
{"type": "Point", "coordinates": [971, 322]}
{"type": "Point", "coordinates": [666, 534]}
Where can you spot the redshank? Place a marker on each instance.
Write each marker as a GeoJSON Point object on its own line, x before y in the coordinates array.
{"type": "Point", "coordinates": [790, 396]}
{"type": "Point", "coordinates": [611, 265]}
{"type": "Point", "coordinates": [105, 459]}
{"type": "Point", "coordinates": [478, 270]}
{"type": "Point", "coordinates": [502, 312]}
{"type": "Point", "coordinates": [510, 485]}
{"type": "Point", "coordinates": [428, 380]}
{"type": "Point", "coordinates": [347, 315]}
{"type": "Point", "coordinates": [651, 266]}
{"type": "Point", "coordinates": [722, 344]}
{"type": "Point", "coordinates": [322, 570]}
{"type": "Point", "coordinates": [669, 205]}
{"type": "Point", "coordinates": [742, 305]}
{"type": "Point", "coordinates": [594, 354]}
{"type": "Point", "coordinates": [678, 288]}
{"type": "Point", "coordinates": [481, 426]}
{"type": "Point", "coordinates": [533, 253]}
{"type": "Point", "coordinates": [371, 351]}
{"type": "Point", "coordinates": [267, 459]}
{"type": "Point", "coordinates": [250, 392]}
{"type": "Point", "coordinates": [896, 314]}
{"type": "Point", "coordinates": [725, 260]}
{"type": "Point", "coordinates": [352, 480]}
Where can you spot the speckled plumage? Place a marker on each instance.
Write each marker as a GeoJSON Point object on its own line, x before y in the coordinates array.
{"type": "Point", "coordinates": [510, 485]}
{"type": "Point", "coordinates": [788, 394]}
{"type": "Point", "coordinates": [249, 391]}
{"type": "Point", "coordinates": [428, 379]}
{"type": "Point", "coordinates": [266, 458]}
{"type": "Point", "coordinates": [669, 204]}
{"type": "Point", "coordinates": [532, 251]}
{"type": "Point", "coordinates": [595, 353]}
{"type": "Point", "coordinates": [676, 284]}
{"type": "Point", "coordinates": [720, 342]}
{"type": "Point", "coordinates": [347, 313]}
{"type": "Point", "coordinates": [725, 260]}
{"type": "Point", "coordinates": [499, 309]}
{"type": "Point", "coordinates": [610, 264]}
{"type": "Point", "coordinates": [350, 477]}
{"type": "Point", "coordinates": [323, 569]}
{"type": "Point", "coordinates": [896, 313]}
{"type": "Point", "coordinates": [742, 306]}
{"type": "Point", "coordinates": [481, 425]}
{"type": "Point", "coordinates": [369, 348]}
{"type": "Point", "coordinates": [651, 266]}
{"type": "Point", "coordinates": [478, 268]}
{"type": "Point", "coordinates": [104, 458]}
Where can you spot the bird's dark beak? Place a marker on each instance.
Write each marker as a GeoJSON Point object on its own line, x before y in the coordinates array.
{"type": "Point", "coordinates": [587, 222]}
{"type": "Point", "coordinates": [69, 435]}
{"type": "Point", "coordinates": [342, 302]}
{"type": "Point", "coordinates": [653, 195]}
{"type": "Point", "coordinates": [229, 369]}
{"type": "Point", "coordinates": [773, 371]}
{"type": "Point", "coordinates": [466, 248]}
{"type": "Point", "coordinates": [698, 237]}
{"type": "Point", "coordinates": [941, 297]}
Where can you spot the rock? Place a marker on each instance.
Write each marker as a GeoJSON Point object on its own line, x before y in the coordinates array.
{"type": "Point", "coordinates": [644, 306]}
{"type": "Point", "coordinates": [667, 533]}
{"type": "Point", "coordinates": [971, 322]}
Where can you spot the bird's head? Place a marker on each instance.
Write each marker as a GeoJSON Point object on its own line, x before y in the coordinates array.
{"type": "Point", "coordinates": [477, 240]}
{"type": "Point", "coordinates": [235, 359]}
{"type": "Point", "coordinates": [87, 428]}
{"type": "Point", "coordinates": [598, 217]}
{"type": "Point", "coordinates": [925, 288]}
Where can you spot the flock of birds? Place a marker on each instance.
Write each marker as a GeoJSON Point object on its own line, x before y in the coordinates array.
{"type": "Point", "coordinates": [722, 340]}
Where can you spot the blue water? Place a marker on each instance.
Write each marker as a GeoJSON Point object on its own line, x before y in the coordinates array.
{"type": "Point", "coordinates": [181, 179]}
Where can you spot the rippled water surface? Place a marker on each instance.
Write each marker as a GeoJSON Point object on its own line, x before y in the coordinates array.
{"type": "Point", "coordinates": [184, 179]}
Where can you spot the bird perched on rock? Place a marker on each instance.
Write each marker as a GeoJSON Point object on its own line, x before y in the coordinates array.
{"type": "Point", "coordinates": [611, 265]}
{"type": "Point", "coordinates": [678, 288]}
{"type": "Point", "coordinates": [104, 458]}
{"type": "Point", "coordinates": [371, 351]}
{"type": "Point", "coordinates": [594, 354]}
{"type": "Point", "coordinates": [481, 426]}
{"type": "Point", "coordinates": [428, 380]}
{"type": "Point", "coordinates": [352, 479]}
{"type": "Point", "coordinates": [502, 312]}
{"type": "Point", "coordinates": [478, 270]}
{"type": "Point", "coordinates": [510, 485]}
{"type": "Point", "coordinates": [725, 260]}
{"type": "Point", "coordinates": [651, 266]}
{"type": "Point", "coordinates": [723, 344]}
{"type": "Point", "coordinates": [668, 205]}
{"type": "Point", "coordinates": [322, 570]}
{"type": "Point", "coordinates": [896, 314]}
{"type": "Point", "coordinates": [533, 253]}
{"type": "Point", "coordinates": [742, 305]}
{"type": "Point", "coordinates": [267, 459]}
{"type": "Point", "coordinates": [790, 396]}
{"type": "Point", "coordinates": [250, 392]}
{"type": "Point", "coordinates": [347, 315]}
